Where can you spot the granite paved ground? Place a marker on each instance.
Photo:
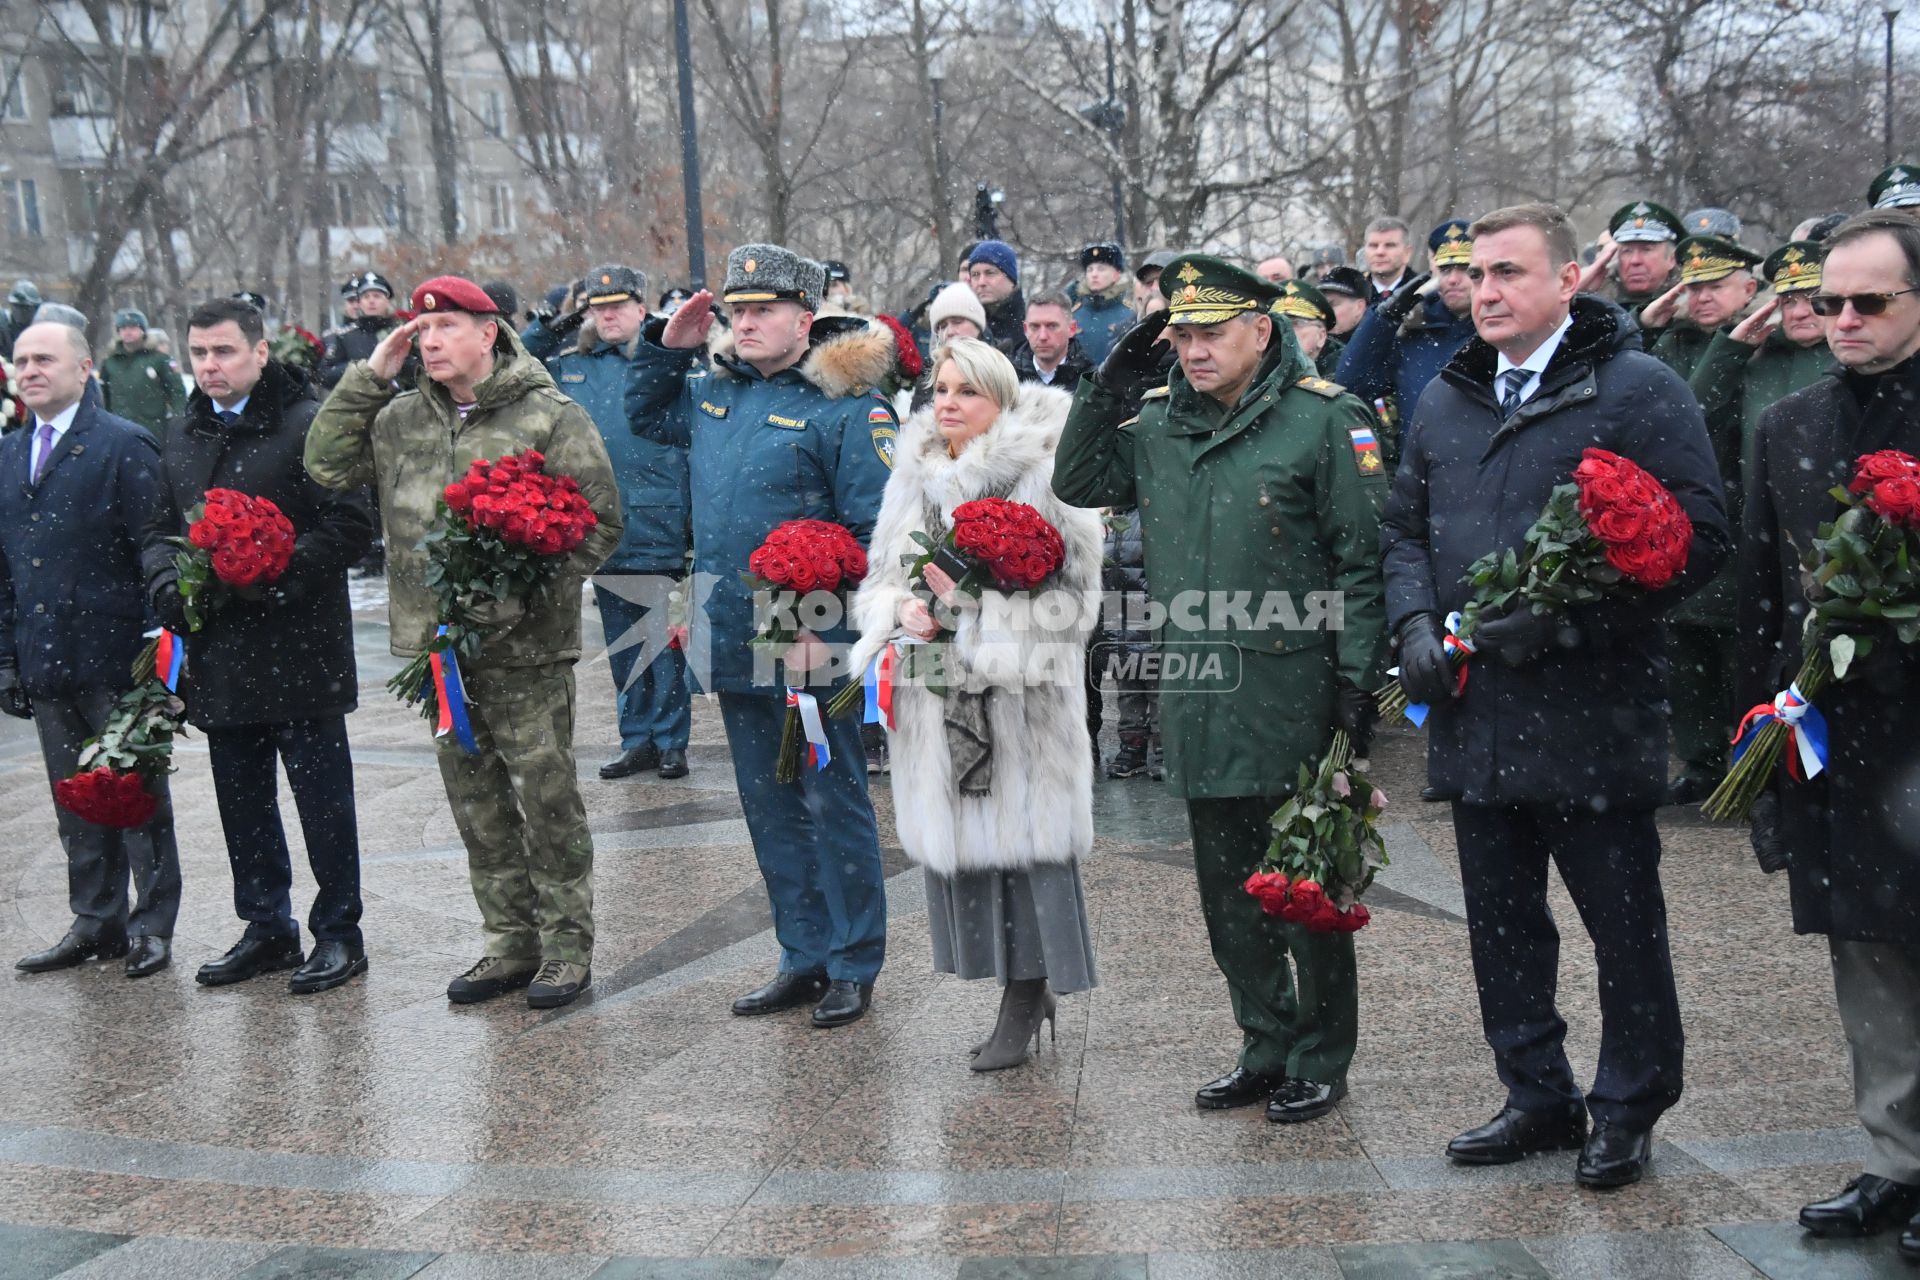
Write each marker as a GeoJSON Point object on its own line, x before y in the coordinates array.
{"type": "Point", "coordinates": [157, 1129]}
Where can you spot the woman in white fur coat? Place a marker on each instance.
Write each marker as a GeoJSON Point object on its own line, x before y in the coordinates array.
{"type": "Point", "coordinates": [992, 776]}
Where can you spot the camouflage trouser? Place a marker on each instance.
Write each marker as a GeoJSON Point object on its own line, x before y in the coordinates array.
{"type": "Point", "coordinates": [518, 807]}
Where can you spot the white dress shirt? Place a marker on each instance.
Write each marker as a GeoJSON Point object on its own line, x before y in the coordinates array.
{"type": "Point", "coordinates": [61, 421]}
{"type": "Point", "coordinates": [1536, 364]}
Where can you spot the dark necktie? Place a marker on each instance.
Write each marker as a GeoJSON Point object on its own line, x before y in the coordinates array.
{"type": "Point", "coordinates": [1510, 383]}
{"type": "Point", "coordinates": [227, 417]}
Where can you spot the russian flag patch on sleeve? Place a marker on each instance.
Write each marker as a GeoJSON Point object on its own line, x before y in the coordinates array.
{"type": "Point", "coordinates": [1366, 451]}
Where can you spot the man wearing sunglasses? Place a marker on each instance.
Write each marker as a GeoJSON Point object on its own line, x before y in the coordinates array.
{"type": "Point", "coordinates": [1845, 836]}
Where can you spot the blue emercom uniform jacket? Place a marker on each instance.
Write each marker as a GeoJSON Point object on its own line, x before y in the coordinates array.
{"type": "Point", "coordinates": [652, 475]}
{"type": "Point", "coordinates": [813, 442]}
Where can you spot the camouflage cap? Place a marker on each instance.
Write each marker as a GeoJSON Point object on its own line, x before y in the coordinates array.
{"type": "Point", "coordinates": [1202, 289]}
{"type": "Point", "coordinates": [1708, 258]}
{"type": "Point", "coordinates": [769, 273]}
{"type": "Point", "coordinates": [1301, 301]}
{"type": "Point", "coordinates": [1795, 266]}
{"type": "Point", "coordinates": [1644, 222]}
{"type": "Point", "coordinates": [1895, 187]}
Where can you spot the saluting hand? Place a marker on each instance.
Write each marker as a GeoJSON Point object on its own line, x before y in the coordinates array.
{"type": "Point", "coordinates": [1659, 313]}
{"type": "Point", "coordinates": [1759, 326]}
{"type": "Point", "coordinates": [687, 328]}
{"type": "Point", "coordinates": [1132, 368]}
{"type": "Point", "coordinates": [391, 355]}
{"type": "Point", "coordinates": [1595, 273]}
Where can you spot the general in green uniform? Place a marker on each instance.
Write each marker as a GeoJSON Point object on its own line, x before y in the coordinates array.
{"type": "Point", "coordinates": [140, 382]}
{"type": "Point", "coordinates": [517, 799]}
{"type": "Point", "coordinates": [1718, 275]}
{"type": "Point", "coordinates": [1743, 371]}
{"type": "Point", "coordinates": [1644, 261]}
{"type": "Point", "coordinates": [1259, 486]}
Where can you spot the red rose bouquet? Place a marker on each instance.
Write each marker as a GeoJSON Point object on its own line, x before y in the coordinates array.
{"type": "Point", "coordinates": [798, 558]}
{"type": "Point", "coordinates": [1614, 528]}
{"type": "Point", "coordinates": [1326, 846]}
{"type": "Point", "coordinates": [112, 787]}
{"type": "Point", "coordinates": [1863, 591]}
{"type": "Point", "coordinates": [994, 542]}
{"type": "Point", "coordinates": [233, 541]}
{"type": "Point", "coordinates": [499, 532]}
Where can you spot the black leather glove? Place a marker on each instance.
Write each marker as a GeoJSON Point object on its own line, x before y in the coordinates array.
{"type": "Point", "coordinates": [1426, 673]}
{"type": "Point", "coordinates": [1132, 368]}
{"type": "Point", "coordinates": [562, 325]}
{"type": "Point", "coordinates": [13, 699]}
{"type": "Point", "coordinates": [1354, 714]}
{"type": "Point", "coordinates": [168, 607]}
{"type": "Point", "coordinates": [1764, 833]}
{"type": "Point", "coordinates": [1520, 637]}
{"type": "Point", "coordinates": [1399, 304]}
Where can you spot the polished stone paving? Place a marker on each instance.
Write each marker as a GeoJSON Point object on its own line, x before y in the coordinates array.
{"type": "Point", "coordinates": [157, 1129]}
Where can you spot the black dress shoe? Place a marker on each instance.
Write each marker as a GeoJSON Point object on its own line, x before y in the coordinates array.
{"type": "Point", "coordinates": [844, 1002]}
{"type": "Point", "coordinates": [74, 950]}
{"type": "Point", "coordinates": [1514, 1135]}
{"type": "Point", "coordinates": [147, 956]}
{"type": "Point", "coordinates": [673, 763]}
{"type": "Point", "coordinates": [630, 762]}
{"type": "Point", "coordinates": [1615, 1156]}
{"type": "Point", "coordinates": [249, 958]}
{"type": "Point", "coordinates": [1297, 1101]}
{"type": "Point", "coordinates": [1910, 1242]}
{"type": "Point", "coordinates": [1870, 1205]}
{"type": "Point", "coordinates": [332, 964]}
{"type": "Point", "coordinates": [786, 991]}
{"type": "Point", "coordinates": [1434, 795]}
{"type": "Point", "coordinates": [1238, 1088]}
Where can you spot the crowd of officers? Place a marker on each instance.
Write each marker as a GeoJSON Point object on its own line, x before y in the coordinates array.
{"type": "Point", "coordinates": [1201, 394]}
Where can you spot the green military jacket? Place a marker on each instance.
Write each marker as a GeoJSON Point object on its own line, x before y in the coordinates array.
{"type": "Point", "coordinates": [142, 385]}
{"type": "Point", "coordinates": [1735, 383]}
{"type": "Point", "coordinates": [411, 445]}
{"type": "Point", "coordinates": [1681, 347]}
{"type": "Point", "coordinates": [1254, 520]}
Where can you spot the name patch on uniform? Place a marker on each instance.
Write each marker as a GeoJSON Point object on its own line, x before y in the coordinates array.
{"type": "Point", "coordinates": [791, 424]}
{"type": "Point", "coordinates": [713, 410]}
{"type": "Point", "coordinates": [1366, 451]}
{"type": "Point", "coordinates": [573, 377]}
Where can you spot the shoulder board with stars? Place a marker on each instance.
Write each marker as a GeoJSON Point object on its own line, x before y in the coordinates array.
{"type": "Point", "coordinates": [1322, 387]}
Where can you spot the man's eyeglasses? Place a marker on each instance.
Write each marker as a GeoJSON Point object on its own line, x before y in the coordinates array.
{"type": "Point", "coordinates": [1864, 304]}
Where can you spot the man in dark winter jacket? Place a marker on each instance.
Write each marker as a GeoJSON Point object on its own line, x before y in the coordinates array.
{"type": "Point", "coordinates": [1556, 749]}
{"type": "Point", "coordinates": [1408, 337]}
{"type": "Point", "coordinates": [270, 675]}
{"type": "Point", "coordinates": [1120, 647]}
{"type": "Point", "coordinates": [1100, 307]}
{"type": "Point", "coordinates": [632, 587]}
{"type": "Point", "coordinates": [1847, 835]}
{"type": "Point", "coordinates": [1051, 354]}
{"type": "Point", "coordinates": [357, 339]}
{"type": "Point", "coordinates": [993, 272]}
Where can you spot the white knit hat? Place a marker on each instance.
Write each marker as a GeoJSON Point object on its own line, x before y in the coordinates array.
{"type": "Point", "coordinates": [957, 300]}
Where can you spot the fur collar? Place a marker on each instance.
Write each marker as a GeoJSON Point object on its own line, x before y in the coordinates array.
{"type": "Point", "coordinates": [1022, 439]}
{"type": "Point", "coordinates": [851, 360]}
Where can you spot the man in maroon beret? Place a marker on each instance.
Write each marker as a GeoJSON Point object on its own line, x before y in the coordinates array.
{"type": "Point", "coordinates": [516, 800]}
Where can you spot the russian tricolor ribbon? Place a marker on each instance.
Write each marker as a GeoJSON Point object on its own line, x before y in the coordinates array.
{"type": "Point", "coordinates": [819, 754]}
{"type": "Point", "coordinates": [1455, 645]}
{"type": "Point", "coordinates": [879, 684]}
{"type": "Point", "coordinates": [450, 694]}
{"type": "Point", "coordinates": [169, 659]}
{"type": "Point", "coordinates": [1806, 731]}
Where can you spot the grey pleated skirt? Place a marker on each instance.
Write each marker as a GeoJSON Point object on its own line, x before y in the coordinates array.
{"type": "Point", "coordinates": [1013, 924]}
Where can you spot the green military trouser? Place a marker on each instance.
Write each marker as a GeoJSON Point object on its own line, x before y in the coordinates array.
{"type": "Point", "coordinates": [518, 806]}
{"type": "Point", "coordinates": [1306, 1026]}
{"type": "Point", "coordinates": [1700, 663]}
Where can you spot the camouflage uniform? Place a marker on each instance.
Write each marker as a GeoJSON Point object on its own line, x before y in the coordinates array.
{"type": "Point", "coordinates": [517, 802]}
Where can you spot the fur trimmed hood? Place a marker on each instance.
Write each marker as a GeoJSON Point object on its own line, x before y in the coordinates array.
{"type": "Point", "coordinates": [1026, 650]}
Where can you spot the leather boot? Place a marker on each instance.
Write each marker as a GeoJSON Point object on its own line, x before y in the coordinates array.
{"type": "Point", "coordinates": [1024, 1006]}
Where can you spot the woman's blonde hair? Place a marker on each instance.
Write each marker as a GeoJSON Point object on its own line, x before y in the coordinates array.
{"type": "Point", "coordinates": [981, 365]}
